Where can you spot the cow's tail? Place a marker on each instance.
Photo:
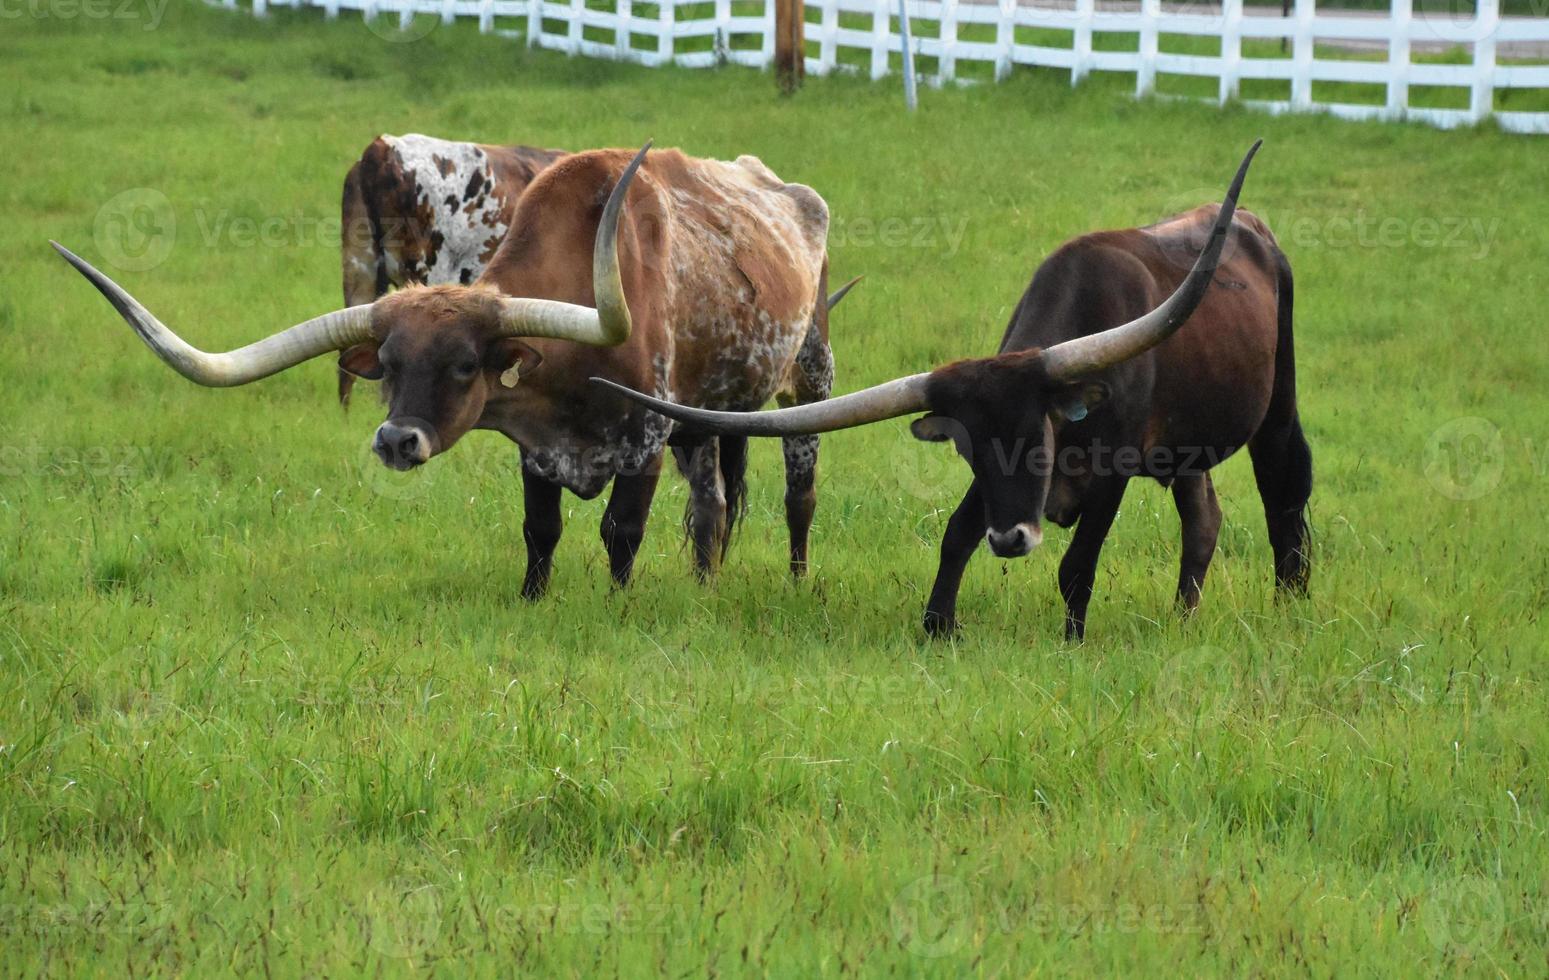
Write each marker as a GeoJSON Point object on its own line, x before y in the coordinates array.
{"type": "Point", "coordinates": [734, 475]}
{"type": "Point", "coordinates": [1282, 460]}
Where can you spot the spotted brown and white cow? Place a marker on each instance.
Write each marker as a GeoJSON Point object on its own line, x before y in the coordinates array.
{"type": "Point", "coordinates": [424, 211]}
{"type": "Point", "coordinates": [707, 288]}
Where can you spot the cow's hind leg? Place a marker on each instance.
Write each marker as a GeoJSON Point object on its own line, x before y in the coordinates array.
{"type": "Point", "coordinates": [706, 516]}
{"type": "Point", "coordinates": [965, 530]}
{"type": "Point", "coordinates": [623, 523]}
{"type": "Point", "coordinates": [812, 381]}
{"type": "Point", "coordinates": [1282, 466]}
{"type": "Point", "coordinates": [1200, 515]}
{"type": "Point", "coordinates": [541, 527]}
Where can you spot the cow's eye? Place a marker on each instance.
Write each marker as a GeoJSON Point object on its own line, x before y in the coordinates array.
{"type": "Point", "coordinates": [467, 369]}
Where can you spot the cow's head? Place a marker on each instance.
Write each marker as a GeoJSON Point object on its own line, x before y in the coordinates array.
{"type": "Point", "coordinates": [1001, 413]}
{"type": "Point", "coordinates": [440, 350]}
{"type": "Point", "coordinates": [443, 351]}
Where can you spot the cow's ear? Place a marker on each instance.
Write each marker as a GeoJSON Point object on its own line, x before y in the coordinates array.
{"type": "Point", "coordinates": [933, 428]}
{"type": "Point", "coordinates": [1072, 402]}
{"type": "Point", "coordinates": [942, 428]}
{"type": "Point", "coordinates": [512, 359]}
{"type": "Point", "coordinates": [362, 361]}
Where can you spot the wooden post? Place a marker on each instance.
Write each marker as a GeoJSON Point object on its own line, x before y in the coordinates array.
{"type": "Point", "coordinates": [790, 44]}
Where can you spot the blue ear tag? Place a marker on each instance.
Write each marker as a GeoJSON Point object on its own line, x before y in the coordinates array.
{"type": "Point", "coordinates": [1075, 411]}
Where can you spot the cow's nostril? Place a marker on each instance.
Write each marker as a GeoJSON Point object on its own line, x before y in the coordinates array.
{"type": "Point", "coordinates": [409, 443]}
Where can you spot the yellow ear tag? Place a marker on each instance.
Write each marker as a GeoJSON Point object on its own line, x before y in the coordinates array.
{"type": "Point", "coordinates": [511, 375]}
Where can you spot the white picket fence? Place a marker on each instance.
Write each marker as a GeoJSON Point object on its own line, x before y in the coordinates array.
{"type": "Point", "coordinates": [714, 34]}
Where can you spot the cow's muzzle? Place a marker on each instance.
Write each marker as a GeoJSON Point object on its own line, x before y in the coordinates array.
{"type": "Point", "coordinates": [402, 445]}
{"type": "Point", "coordinates": [1016, 542]}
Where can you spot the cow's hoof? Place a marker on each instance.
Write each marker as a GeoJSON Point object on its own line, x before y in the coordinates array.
{"type": "Point", "coordinates": [940, 626]}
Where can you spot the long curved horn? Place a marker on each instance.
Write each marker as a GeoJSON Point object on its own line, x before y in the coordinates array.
{"type": "Point", "coordinates": [608, 324]}
{"type": "Point", "coordinates": [329, 332]}
{"type": "Point", "coordinates": [840, 293]}
{"type": "Point", "coordinates": [1087, 355]}
{"type": "Point", "coordinates": [891, 399]}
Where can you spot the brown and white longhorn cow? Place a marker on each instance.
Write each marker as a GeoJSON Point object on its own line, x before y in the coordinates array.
{"type": "Point", "coordinates": [424, 211]}
{"type": "Point", "coordinates": [706, 288]}
{"type": "Point", "coordinates": [1074, 406]}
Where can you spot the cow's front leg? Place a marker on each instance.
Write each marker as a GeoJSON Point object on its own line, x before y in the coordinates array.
{"type": "Point", "coordinates": [623, 523]}
{"type": "Point", "coordinates": [1078, 569]}
{"type": "Point", "coordinates": [965, 531]}
{"type": "Point", "coordinates": [541, 527]}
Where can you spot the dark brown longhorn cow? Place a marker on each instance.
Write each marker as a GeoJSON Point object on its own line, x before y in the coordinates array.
{"type": "Point", "coordinates": [1074, 406]}
{"type": "Point", "coordinates": [708, 288]}
{"type": "Point", "coordinates": [418, 210]}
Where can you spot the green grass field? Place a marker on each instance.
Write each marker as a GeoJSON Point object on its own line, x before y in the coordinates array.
{"type": "Point", "coordinates": [268, 707]}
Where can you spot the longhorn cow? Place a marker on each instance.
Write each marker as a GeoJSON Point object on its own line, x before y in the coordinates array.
{"type": "Point", "coordinates": [1121, 360]}
{"type": "Point", "coordinates": [707, 288]}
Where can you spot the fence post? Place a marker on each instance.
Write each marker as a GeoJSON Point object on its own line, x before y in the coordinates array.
{"type": "Point", "coordinates": [1398, 58]}
{"type": "Point", "coordinates": [1231, 50]}
{"type": "Point", "coordinates": [1301, 57]}
{"type": "Point", "coordinates": [879, 33]}
{"type": "Point", "coordinates": [906, 47]}
{"type": "Point", "coordinates": [722, 30]}
{"type": "Point", "coordinates": [790, 44]}
{"type": "Point", "coordinates": [828, 46]}
{"type": "Point", "coordinates": [331, 10]}
{"type": "Point", "coordinates": [573, 28]}
{"type": "Point", "coordinates": [665, 18]}
{"type": "Point", "coordinates": [946, 61]}
{"type": "Point", "coordinates": [621, 46]}
{"type": "Point", "coordinates": [766, 36]}
{"type": "Point", "coordinates": [1081, 41]}
{"type": "Point", "coordinates": [260, 8]}
{"type": "Point", "coordinates": [1005, 37]}
{"type": "Point", "coordinates": [448, 12]}
{"type": "Point", "coordinates": [1487, 20]}
{"type": "Point", "coordinates": [1145, 75]}
{"type": "Point", "coordinates": [534, 21]}
{"type": "Point", "coordinates": [405, 14]}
